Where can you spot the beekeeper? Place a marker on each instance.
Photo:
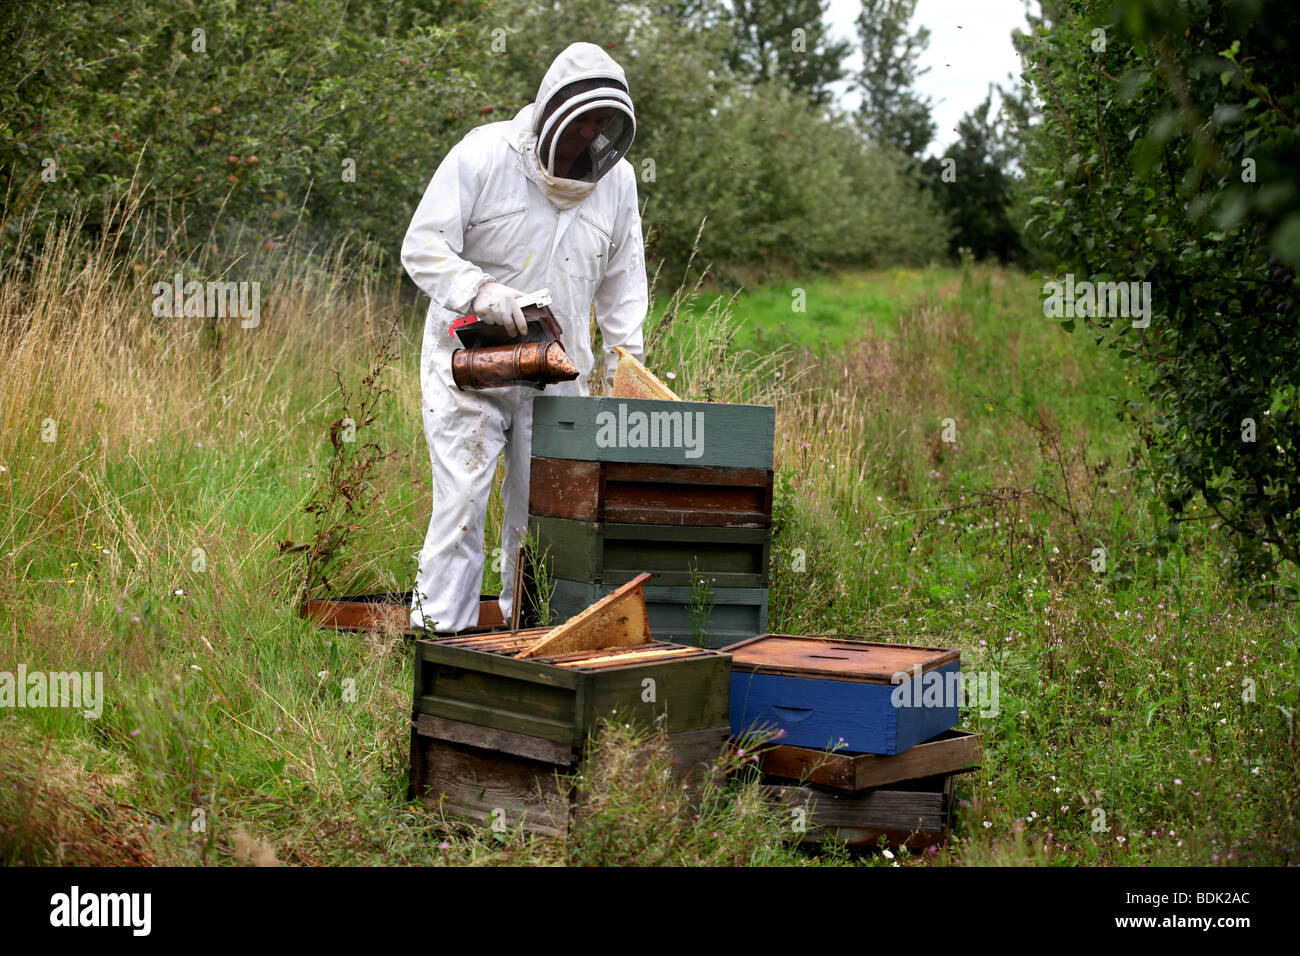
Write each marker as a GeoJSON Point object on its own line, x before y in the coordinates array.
{"type": "Point", "coordinates": [545, 200]}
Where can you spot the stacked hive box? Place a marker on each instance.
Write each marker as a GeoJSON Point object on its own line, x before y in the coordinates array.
{"type": "Point", "coordinates": [682, 490]}
{"type": "Point", "coordinates": [866, 746]}
{"type": "Point", "coordinates": [493, 734]}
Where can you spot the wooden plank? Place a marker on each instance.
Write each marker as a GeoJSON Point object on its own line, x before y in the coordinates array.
{"type": "Point", "coordinates": [587, 428]}
{"type": "Point", "coordinates": [482, 785]}
{"type": "Point", "coordinates": [521, 745]}
{"type": "Point", "coordinates": [954, 751]}
{"type": "Point", "coordinates": [600, 652]}
{"type": "Point", "coordinates": [434, 651]}
{"type": "Point", "coordinates": [619, 660]}
{"type": "Point", "coordinates": [831, 659]}
{"type": "Point", "coordinates": [511, 720]}
{"type": "Point", "coordinates": [876, 809]}
{"type": "Point", "coordinates": [694, 749]}
{"type": "Point", "coordinates": [618, 620]}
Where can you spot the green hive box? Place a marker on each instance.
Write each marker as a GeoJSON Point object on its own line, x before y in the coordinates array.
{"type": "Point", "coordinates": [721, 616]}
{"type": "Point", "coordinates": [456, 680]}
{"type": "Point", "coordinates": [695, 434]}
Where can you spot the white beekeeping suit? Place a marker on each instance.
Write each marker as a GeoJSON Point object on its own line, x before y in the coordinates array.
{"type": "Point", "coordinates": [495, 212]}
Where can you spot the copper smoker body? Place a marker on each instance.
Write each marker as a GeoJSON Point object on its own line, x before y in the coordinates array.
{"type": "Point", "coordinates": [499, 366]}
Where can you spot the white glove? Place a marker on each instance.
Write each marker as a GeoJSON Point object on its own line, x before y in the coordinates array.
{"type": "Point", "coordinates": [495, 305]}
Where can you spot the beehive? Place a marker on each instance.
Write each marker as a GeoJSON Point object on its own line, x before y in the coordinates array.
{"type": "Point", "coordinates": [681, 490]}
{"type": "Point", "coordinates": [830, 693]}
{"type": "Point", "coordinates": [493, 734]}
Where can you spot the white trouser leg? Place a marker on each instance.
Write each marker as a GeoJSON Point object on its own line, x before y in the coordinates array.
{"type": "Point", "coordinates": [465, 436]}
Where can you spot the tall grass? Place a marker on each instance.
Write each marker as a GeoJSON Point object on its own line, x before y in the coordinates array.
{"type": "Point", "coordinates": [145, 539]}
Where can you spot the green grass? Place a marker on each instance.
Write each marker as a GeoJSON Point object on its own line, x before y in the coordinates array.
{"type": "Point", "coordinates": [1119, 692]}
{"type": "Point", "coordinates": [822, 313]}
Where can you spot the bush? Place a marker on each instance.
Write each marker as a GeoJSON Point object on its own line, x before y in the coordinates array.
{"type": "Point", "coordinates": [1167, 154]}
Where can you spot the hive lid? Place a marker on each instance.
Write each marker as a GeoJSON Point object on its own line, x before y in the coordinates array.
{"type": "Point", "coordinates": [834, 658]}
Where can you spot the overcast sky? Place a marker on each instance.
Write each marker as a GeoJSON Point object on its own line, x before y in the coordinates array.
{"type": "Point", "coordinates": [970, 47]}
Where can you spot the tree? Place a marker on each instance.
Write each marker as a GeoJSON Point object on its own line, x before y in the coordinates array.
{"type": "Point", "coordinates": [974, 187]}
{"type": "Point", "coordinates": [788, 39]}
{"type": "Point", "coordinates": [891, 112]}
{"type": "Point", "coordinates": [1167, 158]}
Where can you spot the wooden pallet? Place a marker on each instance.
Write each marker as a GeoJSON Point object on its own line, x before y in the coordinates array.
{"type": "Point", "coordinates": [640, 493]}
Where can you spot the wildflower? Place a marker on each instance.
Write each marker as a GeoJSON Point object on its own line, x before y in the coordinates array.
{"type": "Point", "coordinates": [889, 854]}
{"type": "Point", "coordinates": [444, 845]}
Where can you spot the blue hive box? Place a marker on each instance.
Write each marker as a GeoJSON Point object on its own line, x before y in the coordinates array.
{"type": "Point", "coordinates": [831, 693]}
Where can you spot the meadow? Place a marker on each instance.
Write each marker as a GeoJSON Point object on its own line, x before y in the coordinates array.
{"type": "Point", "coordinates": [953, 469]}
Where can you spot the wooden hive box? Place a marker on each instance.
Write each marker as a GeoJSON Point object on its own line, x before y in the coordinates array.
{"type": "Point", "coordinates": [734, 614]}
{"type": "Point", "coordinates": [489, 777]}
{"type": "Point", "coordinates": [493, 735]}
{"type": "Point", "coordinates": [604, 553]}
{"type": "Point", "coordinates": [477, 680]}
{"type": "Point", "coordinates": [653, 431]}
{"type": "Point", "coordinates": [384, 612]}
{"type": "Point", "coordinates": [642, 493]}
{"type": "Point", "coordinates": [831, 693]}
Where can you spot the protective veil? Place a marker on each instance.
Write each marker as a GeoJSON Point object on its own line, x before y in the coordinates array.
{"type": "Point", "coordinates": [495, 211]}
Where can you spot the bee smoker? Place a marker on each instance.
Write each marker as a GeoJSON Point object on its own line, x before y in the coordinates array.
{"type": "Point", "coordinates": [493, 358]}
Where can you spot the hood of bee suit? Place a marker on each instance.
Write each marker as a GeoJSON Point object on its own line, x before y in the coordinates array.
{"type": "Point", "coordinates": [583, 78]}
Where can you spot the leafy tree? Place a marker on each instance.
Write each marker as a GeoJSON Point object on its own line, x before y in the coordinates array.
{"type": "Point", "coordinates": [789, 39]}
{"type": "Point", "coordinates": [892, 113]}
{"type": "Point", "coordinates": [1167, 154]}
{"type": "Point", "coordinates": [974, 186]}
{"type": "Point", "coordinates": [239, 117]}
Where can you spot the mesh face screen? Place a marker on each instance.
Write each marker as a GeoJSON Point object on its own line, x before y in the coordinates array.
{"type": "Point", "coordinates": [568, 107]}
